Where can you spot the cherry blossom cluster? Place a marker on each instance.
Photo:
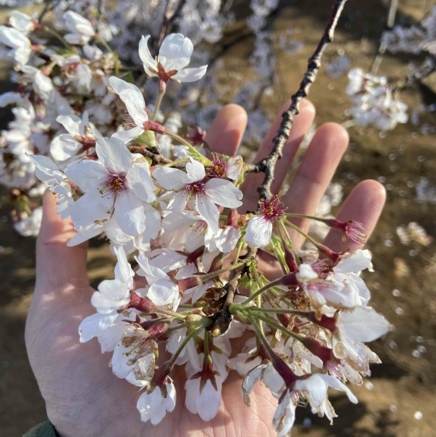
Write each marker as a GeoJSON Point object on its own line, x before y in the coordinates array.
{"type": "Point", "coordinates": [55, 84]}
{"type": "Point", "coordinates": [414, 39]}
{"type": "Point", "coordinates": [375, 101]}
{"type": "Point", "coordinates": [188, 278]}
{"type": "Point", "coordinates": [198, 284]}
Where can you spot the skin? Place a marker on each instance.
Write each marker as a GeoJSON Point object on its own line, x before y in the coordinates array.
{"type": "Point", "coordinates": [82, 396]}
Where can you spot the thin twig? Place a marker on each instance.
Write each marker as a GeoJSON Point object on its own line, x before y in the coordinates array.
{"type": "Point", "coordinates": [268, 164]}
{"type": "Point", "coordinates": [416, 76]}
{"type": "Point", "coordinates": [168, 21]}
{"type": "Point", "coordinates": [383, 45]}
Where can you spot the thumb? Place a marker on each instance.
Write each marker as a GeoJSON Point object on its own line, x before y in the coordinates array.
{"type": "Point", "coordinates": [56, 263]}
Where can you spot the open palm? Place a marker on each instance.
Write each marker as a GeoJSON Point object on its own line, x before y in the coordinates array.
{"type": "Point", "coordinates": [82, 395]}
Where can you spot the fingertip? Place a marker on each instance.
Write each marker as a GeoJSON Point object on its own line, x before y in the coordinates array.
{"type": "Point", "coordinates": [49, 202]}
{"type": "Point", "coordinates": [307, 108]}
{"type": "Point", "coordinates": [373, 192]}
{"type": "Point", "coordinates": [227, 129]}
{"type": "Point", "coordinates": [334, 133]}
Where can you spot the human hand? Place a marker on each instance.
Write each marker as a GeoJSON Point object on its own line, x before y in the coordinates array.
{"type": "Point", "coordinates": [82, 395]}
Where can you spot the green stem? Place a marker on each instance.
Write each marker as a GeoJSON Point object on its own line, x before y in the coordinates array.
{"type": "Point", "coordinates": [109, 49]}
{"type": "Point", "coordinates": [279, 327]}
{"type": "Point", "coordinates": [209, 276]}
{"type": "Point", "coordinates": [157, 104]}
{"type": "Point", "coordinates": [59, 37]}
{"type": "Point", "coordinates": [275, 310]}
{"type": "Point", "coordinates": [261, 336]}
{"type": "Point", "coordinates": [262, 290]}
{"type": "Point", "coordinates": [291, 244]}
{"type": "Point", "coordinates": [182, 346]}
{"type": "Point", "coordinates": [302, 233]}
{"type": "Point", "coordinates": [169, 313]}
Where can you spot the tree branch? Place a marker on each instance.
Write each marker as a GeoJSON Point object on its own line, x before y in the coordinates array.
{"type": "Point", "coordinates": [383, 45]}
{"type": "Point", "coordinates": [268, 164]}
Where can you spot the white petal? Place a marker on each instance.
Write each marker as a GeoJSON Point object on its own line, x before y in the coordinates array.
{"type": "Point", "coordinates": [152, 223]}
{"type": "Point", "coordinates": [338, 385]}
{"type": "Point", "coordinates": [114, 155]}
{"type": "Point", "coordinates": [151, 272]}
{"type": "Point", "coordinates": [64, 147]}
{"type": "Point", "coordinates": [224, 193]}
{"type": "Point", "coordinates": [90, 207]}
{"type": "Point", "coordinates": [209, 400]}
{"type": "Point", "coordinates": [133, 99]}
{"type": "Point", "coordinates": [140, 183]}
{"type": "Point", "coordinates": [315, 387]}
{"type": "Point", "coordinates": [71, 123]}
{"type": "Point", "coordinates": [148, 61]}
{"type": "Point", "coordinates": [175, 52]}
{"type": "Point", "coordinates": [112, 295]}
{"type": "Point", "coordinates": [259, 231]}
{"type": "Point", "coordinates": [195, 171]}
{"type": "Point", "coordinates": [123, 271]}
{"type": "Point", "coordinates": [46, 170]}
{"type": "Point", "coordinates": [85, 233]}
{"type": "Point", "coordinates": [128, 135]}
{"type": "Point", "coordinates": [360, 260]}
{"type": "Point", "coordinates": [87, 175]}
{"type": "Point", "coordinates": [171, 178]}
{"type": "Point", "coordinates": [178, 202]}
{"type": "Point", "coordinates": [190, 74]}
{"type": "Point", "coordinates": [164, 293]}
{"type": "Point", "coordinates": [129, 213]}
{"type": "Point", "coordinates": [362, 324]}
{"type": "Point", "coordinates": [209, 212]}
{"type": "Point", "coordinates": [227, 239]}
{"type": "Point", "coordinates": [94, 325]}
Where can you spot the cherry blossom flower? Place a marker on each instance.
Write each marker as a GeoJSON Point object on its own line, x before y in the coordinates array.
{"type": "Point", "coordinates": [14, 45]}
{"type": "Point", "coordinates": [114, 294]}
{"type": "Point", "coordinates": [222, 168]}
{"type": "Point", "coordinates": [29, 227]}
{"type": "Point", "coordinates": [204, 400]}
{"type": "Point", "coordinates": [115, 182]}
{"type": "Point", "coordinates": [157, 401]}
{"type": "Point", "coordinates": [80, 29]}
{"type": "Point", "coordinates": [205, 195]}
{"type": "Point", "coordinates": [135, 104]}
{"type": "Point", "coordinates": [48, 172]}
{"type": "Point", "coordinates": [174, 55]}
{"type": "Point", "coordinates": [80, 139]}
{"type": "Point", "coordinates": [22, 22]}
{"type": "Point", "coordinates": [260, 226]}
{"type": "Point", "coordinates": [162, 291]}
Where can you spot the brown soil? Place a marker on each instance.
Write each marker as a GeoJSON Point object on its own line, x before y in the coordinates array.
{"type": "Point", "coordinates": [404, 384]}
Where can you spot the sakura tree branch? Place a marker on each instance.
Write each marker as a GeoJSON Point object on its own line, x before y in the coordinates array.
{"type": "Point", "coordinates": [383, 45]}
{"type": "Point", "coordinates": [267, 165]}
{"type": "Point", "coordinates": [426, 68]}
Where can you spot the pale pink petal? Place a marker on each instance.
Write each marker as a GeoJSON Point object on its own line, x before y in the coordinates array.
{"type": "Point", "coordinates": [171, 178]}
{"type": "Point", "coordinates": [224, 193]}
{"type": "Point", "coordinates": [259, 231]}
{"type": "Point", "coordinates": [129, 213]}
{"type": "Point", "coordinates": [114, 155]}
{"type": "Point", "coordinates": [195, 171]}
{"type": "Point", "coordinates": [140, 183]}
{"type": "Point", "coordinates": [175, 52]}
{"type": "Point", "coordinates": [90, 207]}
{"type": "Point", "coordinates": [209, 212]}
{"type": "Point", "coordinates": [190, 74]}
{"type": "Point", "coordinates": [87, 175]}
{"type": "Point", "coordinates": [148, 61]}
{"type": "Point", "coordinates": [362, 324]}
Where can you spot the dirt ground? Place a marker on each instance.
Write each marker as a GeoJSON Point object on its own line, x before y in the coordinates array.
{"type": "Point", "coordinates": [400, 399]}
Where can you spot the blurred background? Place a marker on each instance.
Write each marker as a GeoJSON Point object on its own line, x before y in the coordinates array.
{"type": "Point", "coordinates": [400, 398]}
